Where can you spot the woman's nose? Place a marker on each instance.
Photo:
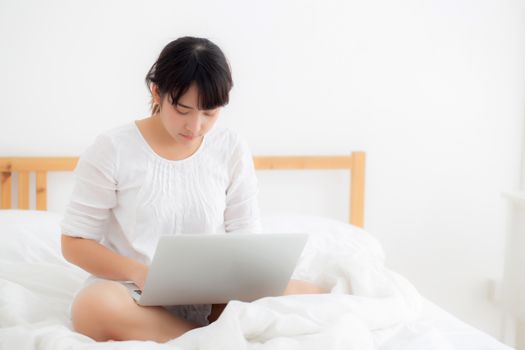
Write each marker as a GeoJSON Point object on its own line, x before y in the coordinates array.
{"type": "Point", "coordinates": [194, 125]}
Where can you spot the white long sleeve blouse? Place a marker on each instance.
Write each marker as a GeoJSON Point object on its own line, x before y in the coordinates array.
{"type": "Point", "coordinates": [126, 196]}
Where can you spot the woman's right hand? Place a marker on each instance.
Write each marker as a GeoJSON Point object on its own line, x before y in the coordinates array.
{"type": "Point", "coordinates": [139, 274]}
{"type": "Point", "coordinates": [102, 262]}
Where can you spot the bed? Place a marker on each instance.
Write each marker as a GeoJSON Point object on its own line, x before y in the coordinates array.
{"type": "Point", "coordinates": [368, 307]}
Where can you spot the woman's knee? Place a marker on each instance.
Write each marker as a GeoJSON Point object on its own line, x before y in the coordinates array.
{"type": "Point", "coordinates": [98, 307]}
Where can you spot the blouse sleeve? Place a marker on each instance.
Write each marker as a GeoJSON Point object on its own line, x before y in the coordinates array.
{"type": "Point", "coordinates": [94, 192]}
{"type": "Point", "coordinates": [242, 206]}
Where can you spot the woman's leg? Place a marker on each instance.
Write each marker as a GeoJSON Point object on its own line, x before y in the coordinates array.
{"type": "Point", "coordinates": [105, 310]}
{"type": "Point", "coordinates": [216, 311]}
{"type": "Point", "coordinates": [302, 287]}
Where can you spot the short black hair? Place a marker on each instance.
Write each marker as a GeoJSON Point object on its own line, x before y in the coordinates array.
{"type": "Point", "coordinates": [188, 60]}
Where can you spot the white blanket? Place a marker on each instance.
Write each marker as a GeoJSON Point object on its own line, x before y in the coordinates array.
{"type": "Point", "coordinates": [367, 303]}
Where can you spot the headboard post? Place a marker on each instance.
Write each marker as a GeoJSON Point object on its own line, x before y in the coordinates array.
{"type": "Point", "coordinates": [6, 190]}
{"type": "Point", "coordinates": [41, 190]}
{"type": "Point", "coordinates": [23, 190]}
{"type": "Point", "coordinates": [357, 189]}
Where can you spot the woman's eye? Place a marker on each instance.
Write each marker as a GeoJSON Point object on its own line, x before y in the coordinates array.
{"type": "Point", "coordinates": [182, 113]}
{"type": "Point", "coordinates": [210, 114]}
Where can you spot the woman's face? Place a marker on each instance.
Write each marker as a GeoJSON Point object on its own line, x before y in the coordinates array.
{"type": "Point", "coordinates": [184, 122]}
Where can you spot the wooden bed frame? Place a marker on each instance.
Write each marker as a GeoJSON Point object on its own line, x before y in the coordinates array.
{"type": "Point", "coordinates": [42, 165]}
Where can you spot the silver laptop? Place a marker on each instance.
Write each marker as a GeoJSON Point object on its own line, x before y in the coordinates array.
{"type": "Point", "coordinates": [217, 268]}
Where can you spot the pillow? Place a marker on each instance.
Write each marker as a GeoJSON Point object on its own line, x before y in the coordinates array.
{"type": "Point", "coordinates": [318, 225]}
{"type": "Point", "coordinates": [339, 257]}
{"type": "Point", "coordinates": [30, 236]}
{"type": "Point", "coordinates": [34, 236]}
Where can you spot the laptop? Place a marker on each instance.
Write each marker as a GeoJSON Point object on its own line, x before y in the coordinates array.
{"type": "Point", "coordinates": [217, 268]}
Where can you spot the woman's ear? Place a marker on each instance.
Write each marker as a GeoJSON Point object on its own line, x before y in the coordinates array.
{"type": "Point", "coordinates": [155, 94]}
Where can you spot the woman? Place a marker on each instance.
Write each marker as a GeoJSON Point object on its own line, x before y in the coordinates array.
{"type": "Point", "coordinates": [169, 173]}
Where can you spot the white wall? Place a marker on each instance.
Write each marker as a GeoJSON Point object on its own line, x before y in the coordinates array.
{"type": "Point", "coordinates": [522, 176]}
{"type": "Point", "coordinates": [433, 91]}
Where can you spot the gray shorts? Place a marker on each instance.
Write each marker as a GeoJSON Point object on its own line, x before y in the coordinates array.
{"type": "Point", "coordinates": [197, 313]}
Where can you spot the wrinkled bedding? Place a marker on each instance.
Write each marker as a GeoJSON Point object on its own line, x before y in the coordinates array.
{"type": "Point", "coordinates": [368, 304]}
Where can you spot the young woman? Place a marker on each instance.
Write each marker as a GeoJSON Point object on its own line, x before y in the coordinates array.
{"type": "Point", "coordinates": [172, 172]}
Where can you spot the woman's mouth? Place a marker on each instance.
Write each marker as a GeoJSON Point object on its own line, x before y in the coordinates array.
{"type": "Point", "coordinates": [187, 137]}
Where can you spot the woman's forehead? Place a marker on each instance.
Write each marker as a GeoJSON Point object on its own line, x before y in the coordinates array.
{"type": "Point", "coordinates": [190, 100]}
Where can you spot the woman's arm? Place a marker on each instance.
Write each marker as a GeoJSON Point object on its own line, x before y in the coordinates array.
{"type": "Point", "coordinates": [242, 208]}
{"type": "Point", "coordinates": [100, 261]}
{"type": "Point", "coordinates": [86, 217]}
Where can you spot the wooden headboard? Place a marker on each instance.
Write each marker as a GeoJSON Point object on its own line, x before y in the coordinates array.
{"type": "Point", "coordinates": [355, 163]}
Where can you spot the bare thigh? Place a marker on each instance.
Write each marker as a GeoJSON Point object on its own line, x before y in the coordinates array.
{"type": "Point", "coordinates": [216, 311]}
{"type": "Point", "coordinates": [303, 287]}
{"type": "Point", "coordinates": [105, 310]}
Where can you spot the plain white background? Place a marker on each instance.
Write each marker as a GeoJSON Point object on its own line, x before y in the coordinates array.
{"type": "Point", "coordinates": [433, 91]}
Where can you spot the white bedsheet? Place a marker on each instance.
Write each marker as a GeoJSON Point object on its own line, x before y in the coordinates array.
{"type": "Point", "coordinates": [383, 310]}
{"type": "Point", "coordinates": [436, 329]}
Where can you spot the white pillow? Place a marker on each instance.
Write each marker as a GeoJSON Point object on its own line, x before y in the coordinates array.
{"type": "Point", "coordinates": [338, 256]}
{"type": "Point", "coordinates": [30, 236]}
{"type": "Point", "coordinates": [318, 225]}
{"type": "Point", "coordinates": [34, 236]}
